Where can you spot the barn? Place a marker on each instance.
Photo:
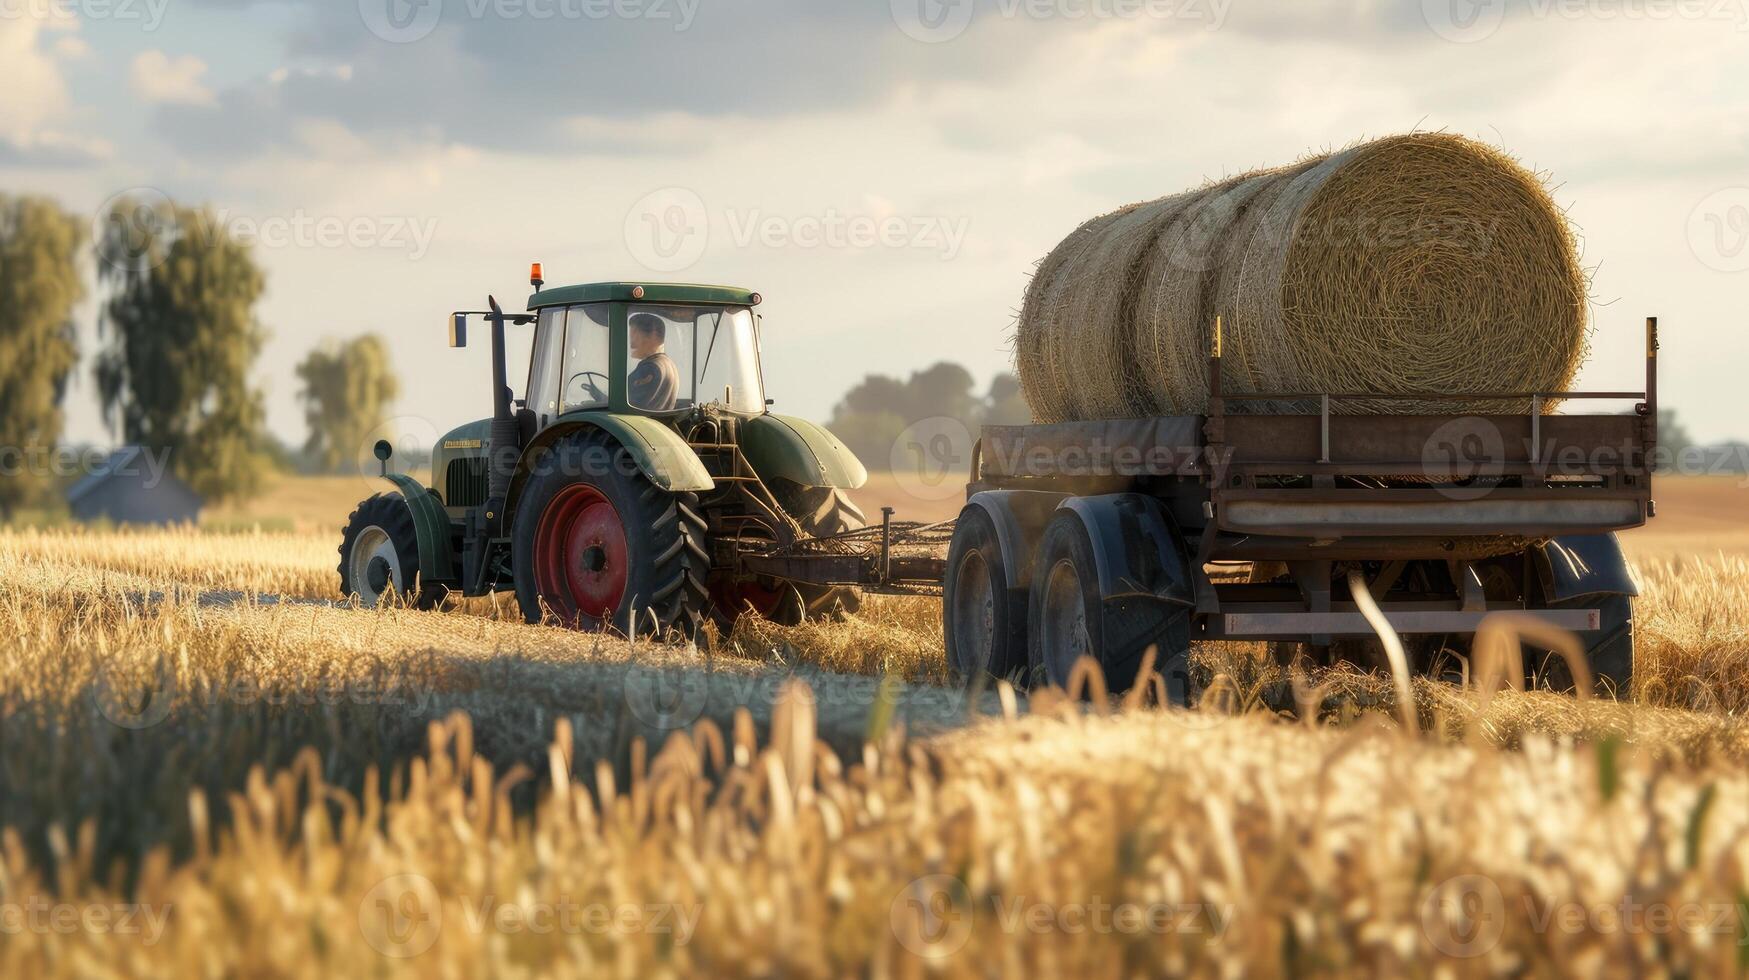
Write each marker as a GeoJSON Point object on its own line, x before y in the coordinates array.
{"type": "Point", "coordinates": [127, 488]}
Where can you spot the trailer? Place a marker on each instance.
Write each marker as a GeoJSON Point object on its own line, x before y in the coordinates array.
{"type": "Point", "coordinates": [1110, 538]}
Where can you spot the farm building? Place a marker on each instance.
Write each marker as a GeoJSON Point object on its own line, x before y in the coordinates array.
{"type": "Point", "coordinates": [127, 489]}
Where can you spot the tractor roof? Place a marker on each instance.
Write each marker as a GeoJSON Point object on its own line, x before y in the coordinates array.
{"type": "Point", "coordinates": [653, 292]}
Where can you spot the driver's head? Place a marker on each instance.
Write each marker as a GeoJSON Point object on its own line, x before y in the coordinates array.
{"type": "Point", "coordinates": [648, 334]}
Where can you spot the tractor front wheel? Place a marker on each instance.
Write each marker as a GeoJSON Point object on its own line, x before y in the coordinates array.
{"type": "Point", "coordinates": [596, 545]}
{"type": "Point", "coordinates": [379, 555]}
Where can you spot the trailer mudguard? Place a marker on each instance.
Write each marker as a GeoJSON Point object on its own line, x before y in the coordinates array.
{"type": "Point", "coordinates": [431, 525]}
{"type": "Point", "coordinates": [1582, 565]}
{"type": "Point", "coordinates": [1147, 596]}
{"type": "Point", "coordinates": [782, 447]}
{"type": "Point", "coordinates": [1138, 549]}
{"type": "Point", "coordinates": [1020, 517]}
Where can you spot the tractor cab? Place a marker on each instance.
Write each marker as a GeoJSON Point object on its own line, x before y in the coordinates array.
{"type": "Point", "coordinates": [644, 349]}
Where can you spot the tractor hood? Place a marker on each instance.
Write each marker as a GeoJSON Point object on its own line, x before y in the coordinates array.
{"type": "Point", "coordinates": [464, 442]}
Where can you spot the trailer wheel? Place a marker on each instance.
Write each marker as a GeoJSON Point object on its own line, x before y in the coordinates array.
{"type": "Point", "coordinates": [605, 547]}
{"type": "Point", "coordinates": [822, 512]}
{"type": "Point", "coordinates": [379, 555]}
{"type": "Point", "coordinates": [1609, 651]}
{"type": "Point", "coordinates": [983, 615]}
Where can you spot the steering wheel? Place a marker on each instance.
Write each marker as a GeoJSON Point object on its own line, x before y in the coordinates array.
{"type": "Point", "coordinates": [596, 392]}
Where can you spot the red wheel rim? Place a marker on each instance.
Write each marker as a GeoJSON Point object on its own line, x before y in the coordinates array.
{"type": "Point", "coordinates": [580, 555]}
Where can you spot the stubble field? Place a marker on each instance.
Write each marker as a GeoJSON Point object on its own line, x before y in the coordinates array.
{"type": "Point", "coordinates": [208, 766]}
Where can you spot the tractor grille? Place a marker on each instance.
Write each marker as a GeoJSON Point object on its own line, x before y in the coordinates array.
{"type": "Point", "coordinates": [465, 482]}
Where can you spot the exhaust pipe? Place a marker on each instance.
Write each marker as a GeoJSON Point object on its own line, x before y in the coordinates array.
{"type": "Point", "coordinates": [505, 446]}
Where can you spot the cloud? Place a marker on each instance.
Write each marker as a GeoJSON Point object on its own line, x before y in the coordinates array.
{"type": "Point", "coordinates": [72, 47]}
{"type": "Point", "coordinates": [35, 98]}
{"type": "Point", "coordinates": [158, 78]}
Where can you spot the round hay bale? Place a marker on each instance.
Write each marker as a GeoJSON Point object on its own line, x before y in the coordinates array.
{"type": "Point", "coordinates": [1415, 264]}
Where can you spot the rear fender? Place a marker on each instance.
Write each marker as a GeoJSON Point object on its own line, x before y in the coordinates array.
{"type": "Point", "coordinates": [782, 447]}
{"type": "Point", "coordinates": [1582, 565]}
{"type": "Point", "coordinates": [431, 525]}
{"type": "Point", "coordinates": [1139, 551]}
{"type": "Point", "coordinates": [1019, 517]}
{"type": "Point", "coordinates": [658, 452]}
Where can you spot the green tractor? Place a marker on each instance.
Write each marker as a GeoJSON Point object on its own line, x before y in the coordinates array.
{"type": "Point", "coordinates": [625, 488]}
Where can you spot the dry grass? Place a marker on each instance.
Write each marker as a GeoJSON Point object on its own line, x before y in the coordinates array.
{"type": "Point", "coordinates": [1407, 265]}
{"type": "Point", "coordinates": [315, 790]}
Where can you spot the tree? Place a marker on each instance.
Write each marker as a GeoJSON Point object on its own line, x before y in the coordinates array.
{"type": "Point", "coordinates": [182, 339]}
{"type": "Point", "coordinates": [873, 415]}
{"type": "Point", "coordinates": [1005, 405]}
{"type": "Point", "coordinates": [39, 286]}
{"type": "Point", "coordinates": [347, 390]}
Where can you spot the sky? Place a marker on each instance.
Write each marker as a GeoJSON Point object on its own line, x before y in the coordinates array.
{"type": "Point", "coordinates": [885, 172]}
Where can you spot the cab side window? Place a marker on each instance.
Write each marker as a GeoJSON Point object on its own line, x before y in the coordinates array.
{"type": "Point", "coordinates": [542, 394]}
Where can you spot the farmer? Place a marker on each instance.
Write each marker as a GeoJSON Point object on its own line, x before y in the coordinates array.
{"type": "Point", "coordinates": [655, 380]}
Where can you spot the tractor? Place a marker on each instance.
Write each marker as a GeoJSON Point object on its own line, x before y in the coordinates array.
{"type": "Point", "coordinates": [623, 489]}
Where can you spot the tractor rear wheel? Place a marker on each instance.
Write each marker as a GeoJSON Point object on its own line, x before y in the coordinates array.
{"type": "Point", "coordinates": [822, 512]}
{"type": "Point", "coordinates": [379, 555]}
{"type": "Point", "coordinates": [598, 546]}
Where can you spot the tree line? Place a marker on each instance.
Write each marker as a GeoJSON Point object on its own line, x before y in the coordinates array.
{"type": "Point", "coordinates": [178, 337]}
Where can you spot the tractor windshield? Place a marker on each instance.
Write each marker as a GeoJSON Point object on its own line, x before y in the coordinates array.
{"type": "Point", "coordinates": [711, 355]}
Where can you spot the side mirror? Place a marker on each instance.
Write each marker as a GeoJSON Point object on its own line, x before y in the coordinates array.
{"type": "Point", "coordinates": [458, 330]}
